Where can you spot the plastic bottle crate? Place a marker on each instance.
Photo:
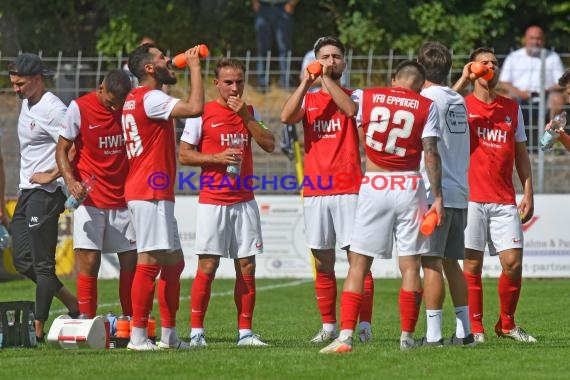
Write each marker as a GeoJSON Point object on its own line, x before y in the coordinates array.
{"type": "Point", "coordinates": [14, 317]}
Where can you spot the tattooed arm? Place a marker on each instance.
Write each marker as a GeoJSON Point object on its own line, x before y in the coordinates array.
{"type": "Point", "coordinates": [433, 169]}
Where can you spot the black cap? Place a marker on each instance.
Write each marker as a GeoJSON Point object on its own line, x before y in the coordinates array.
{"type": "Point", "coordinates": [27, 64]}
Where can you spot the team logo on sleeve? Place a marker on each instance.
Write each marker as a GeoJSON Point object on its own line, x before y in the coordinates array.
{"type": "Point", "coordinates": [508, 121]}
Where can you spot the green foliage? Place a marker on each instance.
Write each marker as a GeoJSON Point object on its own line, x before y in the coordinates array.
{"type": "Point", "coordinates": [113, 27]}
{"type": "Point", "coordinates": [351, 32]}
{"type": "Point", "coordinates": [118, 36]}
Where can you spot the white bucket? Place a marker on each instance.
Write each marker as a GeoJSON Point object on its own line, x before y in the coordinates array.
{"type": "Point", "coordinates": [70, 333]}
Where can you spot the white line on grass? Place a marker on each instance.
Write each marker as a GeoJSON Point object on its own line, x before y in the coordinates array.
{"type": "Point", "coordinates": [218, 294]}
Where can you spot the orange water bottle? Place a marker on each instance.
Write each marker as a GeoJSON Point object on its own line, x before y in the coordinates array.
{"type": "Point", "coordinates": [123, 327]}
{"type": "Point", "coordinates": [180, 59]}
{"type": "Point", "coordinates": [480, 70]}
{"type": "Point", "coordinates": [315, 68]}
{"type": "Point", "coordinates": [428, 225]}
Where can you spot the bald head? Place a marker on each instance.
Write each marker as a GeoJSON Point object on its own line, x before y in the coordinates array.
{"type": "Point", "coordinates": [409, 74]}
{"type": "Point", "coordinates": [533, 40]}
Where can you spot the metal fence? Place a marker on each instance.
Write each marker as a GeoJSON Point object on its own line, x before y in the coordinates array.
{"type": "Point", "coordinates": [77, 75]}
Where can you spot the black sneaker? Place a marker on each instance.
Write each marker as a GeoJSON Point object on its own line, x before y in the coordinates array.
{"type": "Point", "coordinates": [423, 342]}
{"type": "Point", "coordinates": [468, 341]}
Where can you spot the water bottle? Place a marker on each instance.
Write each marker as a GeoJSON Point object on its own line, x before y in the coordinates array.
{"type": "Point", "coordinates": [550, 136]}
{"type": "Point", "coordinates": [112, 318]}
{"type": "Point", "coordinates": [180, 59]}
{"type": "Point", "coordinates": [72, 203]}
{"type": "Point", "coordinates": [4, 237]}
{"type": "Point", "coordinates": [32, 329]}
{"type": "Point", "coordinates": [233, 170]}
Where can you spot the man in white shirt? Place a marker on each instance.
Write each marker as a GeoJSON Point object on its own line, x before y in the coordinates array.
{"type": "Point", "coordinates": [520, 75]}
{"type": "Point", "coordinates": [41, 199]}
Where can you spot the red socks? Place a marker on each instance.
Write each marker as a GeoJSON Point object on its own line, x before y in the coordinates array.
{"type": "Point", "coordinates": [200, 298]}
{"type": "Point", "coordinates": [409, 309]}
{"type": "Point", "coordinates": [142, 293]}
{"type": "Point", "coordinates": [349, 309]}
{"type": "Point", "coordinates": [244, 297]}
{"type": "Point", "coordinates": [475, 300]}
{"type": "Point", "coordinates": [509, 292]}
{"type": "Point", "coordinates": [125, 285]}
{"type": "Point", "coordinates": [367, 299]}
{"type": "Point", "coordinates": [87, 295]}
{"type": "Point", "coordinates": [169, 293]}
{"type": "Point", "coordinates": [325, 289]}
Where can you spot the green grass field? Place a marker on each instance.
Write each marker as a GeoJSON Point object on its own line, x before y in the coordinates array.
{"type": "Point", "coordinates": [286, 316]}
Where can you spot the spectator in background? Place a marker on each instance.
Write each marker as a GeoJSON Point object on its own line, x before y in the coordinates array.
{"type": "Point", "coordinates": [41, 199]}
{"type": "Point", "coordinates": [520, 76]}
{"type": "Point", "coordinates": [273, 19]}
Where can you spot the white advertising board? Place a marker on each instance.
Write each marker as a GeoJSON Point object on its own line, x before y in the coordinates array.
{"type": "Point", "coordinates": [546, 254]}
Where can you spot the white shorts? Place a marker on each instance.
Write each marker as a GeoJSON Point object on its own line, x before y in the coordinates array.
{"type": "Point", "coordinates": [494, 224]}
{"type": "Point", "coordinates": [329, 219]}
{"type": "Point", "coordinates": [448, 240]}
{"type": "Point", "coordinates": [384, 214]}
{"type": "Point", "coordinates": [155, 225]}
{"type": "Point", "coordinates": [105, 230]}
{"type": "Point", "coordinates": [231, 231]}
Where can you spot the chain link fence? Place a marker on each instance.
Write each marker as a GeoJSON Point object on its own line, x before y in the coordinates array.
{"type": "Point", "coordinates": [76, 75]}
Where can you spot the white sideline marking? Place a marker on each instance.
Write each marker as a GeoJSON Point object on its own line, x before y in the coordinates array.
{"type": "Point", "coordinates": [215, 294]}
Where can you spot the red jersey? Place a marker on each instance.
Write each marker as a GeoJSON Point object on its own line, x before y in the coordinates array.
{"type": "Point", "coordinates": [395, 120]}
{"type": "Point", "coordinates": [212, 133]}
{"type": "Point", "coordinates": [150, 145]}
{"type": "Point", "coordinates": [100, 150]}
{"type": "Point", "coordinates": [493, 127]}
{"type": "Point", "coordinates": [331, 146]}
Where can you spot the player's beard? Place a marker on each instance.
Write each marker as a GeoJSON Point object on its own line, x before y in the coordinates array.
{"type": "Point", "coordinates": [162, 75]}
{"type": "Point", "coordinates": [336, 75]}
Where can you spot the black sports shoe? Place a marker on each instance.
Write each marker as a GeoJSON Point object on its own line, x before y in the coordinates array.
{"type": "Point", "coordinates": [468, 341]}
{"type": "Point", "coordinates": [423, 342]}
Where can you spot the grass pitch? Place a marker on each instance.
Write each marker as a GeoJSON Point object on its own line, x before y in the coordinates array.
{"type": "Point", "coordinates": [286, 317]}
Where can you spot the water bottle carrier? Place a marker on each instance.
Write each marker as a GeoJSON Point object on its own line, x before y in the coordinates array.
{"type": "Point", "coordinates": [70, 333]}
{"type": "Point", "coordinates": [15, 317]}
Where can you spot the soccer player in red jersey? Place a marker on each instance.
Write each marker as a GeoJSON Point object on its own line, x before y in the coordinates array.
{"type": "Point", "coordinates": [101, 224]}
{"type": "Point", "coordinates": [228, 217]}
{"type": "Point", "coordinates": [149, 189]}
{"type": "Point", "coordinates": [399, 124]}
{"type": "Point", "coordinates": [331, 147]}
{"type": "Point", "coordinates": [498, 142]}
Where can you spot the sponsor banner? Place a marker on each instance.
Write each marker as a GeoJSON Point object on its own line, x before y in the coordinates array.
{"type": "Point", "coordinates": [547, 246]}
{"type": "Point", "coordinates": [546, 243]}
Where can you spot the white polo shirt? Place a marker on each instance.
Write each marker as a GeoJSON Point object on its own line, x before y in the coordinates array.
{"type": "Point", "coordinates": [38, 132]}
{"type": "Point", "coordinates": [523, 71]}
